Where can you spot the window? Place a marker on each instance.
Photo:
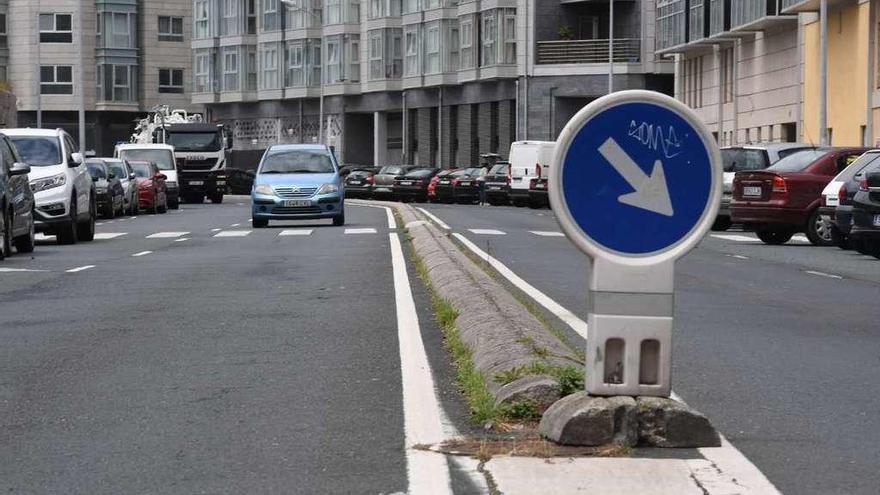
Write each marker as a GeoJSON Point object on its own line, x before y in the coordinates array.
{"type": "Point", "coordinates": [170, 28]}
{"type": "Point", "coordinates": [377, 52]}
{"type": "Point", "coordinates": [56, 28]}
{"type": "Point", "coordinates": [121, 31]}
{"type": "Point", "coordinates": [98, 22]}
{"type": "Point", "coordinates": [251, 68]}
{"type": "Point", "coordinates": [203, 80]}
{"type": "Point", "coordinates": [251, 17]}
{"type": "Point", "coordinates": [394, 54]}
{"type": "Point", "coordinates": [201, 20]}
{"type": "Point", "coordinates": [333, 8]}
{"type": "Point", "coordinates": [306, 17]}
{"type": "Point", "coordinates": [334, 60]}
{"type": "Point", "coordinates": [295, 64]}
{"type": "Point", "coordinates": [230, 68]}
{"type": "Point", "coordinates": [509, 49]}
{"type": "Point", "coordinates": [411, 60]}
{"type": "Point", "coordinates": [354, 11]}
{"type": "Point", "coordinates": [229, 25]}
{"type": "Point", "coordinates": [314, 61]}
{"type": "Point", "coordinates": [171, 81]}
{"type": "Point", "coordinates": [270, 16]}
{"type": "Point", "coordinates": [432, 48]}
{"type": "Point", "coordinates": [466, 31]}
{"type": "Point", "coordinates": [410, 6]}
{"type": "Point", "coordinates": [726, 74]}
{"type": "Point", "coordinates": [488, 55]}
{"type": "Point", "coordinates": [452, 42]}
{"type": "Point", "coordinates": [122, 83]}
{"type": "Point", "coordinates": [353, 50]}
{"type": "Point", "coordinates": [269, 66]}
{"type": "Point", "coordinates": [56, 80]}
{"type": "Point", "coordinates": [3, 24]}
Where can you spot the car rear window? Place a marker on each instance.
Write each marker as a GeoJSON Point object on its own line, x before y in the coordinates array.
{"type": "Point", "coordinates": [460, 173]}
{"type": "Point", "coordinates": [420, 172]}
{"type": "Point", "coordinates": [739, 159]}
{"type": "Point", "coordinates": [142, 170]}
{"type": "Point", "coordinates": [867, 162]}
{"type": "Point", "coordinates": [797, 162]}
{"type": "Point", "coordinates": [391, 170]}
{"type": "Point", "coordinates": [96, 170]}
{"type": "Point", "coordinates": [500, 169]}
{"type": "Point", "coordinates": [360, 173]}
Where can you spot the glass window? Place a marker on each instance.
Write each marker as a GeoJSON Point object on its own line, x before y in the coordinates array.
{"type": "Point", "coordinates": [201, 20]}
{"type": "Point", "coordinates": [452, 42]}
{"type": "Point", "coordinates": [411, 61]}
{"type": "Point", "coordinates": [797, 161]}
{"type": "Point", "coordinates": [295, 64]}
{"type": "Point", "coordinates": [293, 161]}
{"type": "Point", "coordinates": [161, 157]}
{"type": "Point", "coordinates": [230, 68]}
{"type": "Point", "coordinates": [410, 6]}
{"type": "Point", "coordinates": [353, 50]}
{"type": "Point", "coordinates": [354, 11]}
{"type": "Point", "coordinates": [56, 80]}
{"type": "Point", "coordinates": [122, 83]}
{"type": "Point", "coordinates": [509, 36]}
{"type": "Point", "coordinates": [431, 4]}
{"type": "Point", "coordinates": [38, 151]}
{"type": "Point", "coordinates": [203, 80]}
{"type": "Point", "coordinates": [171, 80]}
{"type": "Point", "coordinates": [270, 15]}
{"type": "Point", "coordinates": [251, 16]}
{"type": "Point", "coordinates": [394, 53]}
{"type": "Point", "coordinates": [231, 18]}
{"type": "Point", "coordinates": [56, 28]}
{"type": "Point", "coordinates": [466, 32]}
{"type": "Point", "coordinates": [314, 62]}
{"type": "Point", "coordinates": [269, 66]}
{"type": "Point", "coordinates": [170, 28]}
{"type": "Point", "coordinates": [251, 68]}
{"type": "Point", "coordinates": [333, 60]}
{"type": "Point", "coordinates": [121, 31]}
{"type": "Point", "coordinates": [738, 159]}
{"type": "Point", "coordinates": [432, 47]}
{"type": "Point", "coordinates": [489, 35]}
{"type": "Point", "coordinates": [384, 8]}
{"type": "Point", "coordinates": [333, 11]}
{"type": "Point", "coordinates": [377, 54]}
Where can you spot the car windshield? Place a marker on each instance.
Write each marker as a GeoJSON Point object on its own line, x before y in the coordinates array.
{"type": "Point", "coordinates": [96, 170]}
{"type": "Point", "coordinates": [194, 141]}
{"type": "Point", "coordinates": [739, 159]}
{"type": "Point", "coordinates": [117, 169]}
{"type": "Point", "coordinates": [38, 151]}
{"type": "Point", "coordinates": [161, 157]}
{"type": "Point", "coordinates": [142, 170]}
{"type": "Point", "coordinates": [797, 161]}
{"type": "Point", "coordinates": [293, 161]}
{"type": "Point", "coordinates": [420, 172]}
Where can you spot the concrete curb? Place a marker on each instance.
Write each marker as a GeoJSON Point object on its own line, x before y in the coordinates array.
{"type": "Point", "coordinates": [501, 334]}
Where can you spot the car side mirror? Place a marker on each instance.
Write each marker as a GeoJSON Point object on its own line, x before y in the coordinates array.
{"type": "Point", "coordinates": [76, 159]}
{"type": "Point", "coordinates": [19, 169]}
{"type": "Point", "coordinates": [111, 176]}
{"type": "Point", "coordinates": [132, 176]}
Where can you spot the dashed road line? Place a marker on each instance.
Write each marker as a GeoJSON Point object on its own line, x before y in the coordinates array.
{"type": "Point", "coordinates": [166, 235]}
{"type": "Point", "coordinates": [142, 253]}
{"type": "Point", "coordinates": [823, 274]}
{"type": "Point", "coordinates": [19, 270]}
{"type": "Point", "coordinates": [735, 238]}
{"type": "Point", "coordinates": [232, 233]}
{"type": "Point", "coordinates": [433, 217]}
{"type": "Point", "coordinates": [361, 231]}
{"type": "Point", "coordinates": [235, 225]}
{"type": "Point", "coordinates": [487, 232]}
{"type": "Point", "coordinates": [392, 224]}
{"type": "Point", "coordinates": [80, 268]}
{"type": "Point", "coordinates": [296, 232]}
{"type": "Point", "coordinates": [181, 239]}
{"type": "Point", "coordinates": [547, 234]}
{"type": "Point", "coordinates": [216, 230]}
{"type": "Point", "coordinates": [109, 235]}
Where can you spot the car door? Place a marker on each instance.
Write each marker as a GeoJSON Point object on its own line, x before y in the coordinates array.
{"type": "Point", "coordinates": [18, 189]}
{"type": "Point", "coordinates": [82, 180]}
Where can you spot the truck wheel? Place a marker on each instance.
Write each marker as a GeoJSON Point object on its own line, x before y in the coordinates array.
{"type": "Point", "coordinates": [216, 198]}
{"type": "Point", "coordinates": [86, 230]}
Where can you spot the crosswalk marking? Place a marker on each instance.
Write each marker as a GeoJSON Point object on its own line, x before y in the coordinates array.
{"type": "Point", "coordinates": [288, 232]}
{"type": "Point", "coordinates": [735, 238]}
{"type": "Point", "coordinates": [547, 234]}
{"type": "Point", "coordinates": [360, 231]}
{"type": "Point", "coordinates": [80, 268]}
{"type": "Point", "coordinates": [487, 232]}
{"type": "Point", "coordinates": [166, 235]}
{"type": "Point", "coordinates": [142, 253]}
{"type": "Point", "coordinates": [232, 233]}
{"type": "Point", "coordinates": [109, 235]}
{"type": "Point", "coordinates": [181, 239]}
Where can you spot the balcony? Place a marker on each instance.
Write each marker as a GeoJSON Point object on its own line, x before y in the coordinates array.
{"type": "Point", "coordinates": [626, 50]}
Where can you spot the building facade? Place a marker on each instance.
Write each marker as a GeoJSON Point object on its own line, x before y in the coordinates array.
{"type": "Point", "coordinates": [428, 82]}
{"type": "Point", "coordinates": [118, 58]}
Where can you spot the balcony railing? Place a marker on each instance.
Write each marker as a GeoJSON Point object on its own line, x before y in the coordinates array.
{"type": "Point", "coordinates": [588, 51]}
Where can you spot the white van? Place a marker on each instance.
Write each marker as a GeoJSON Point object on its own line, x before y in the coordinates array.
{"type": "Point", "coordinates": [528, 160]}
{"type": "Point", "coordinates": [160, 154]}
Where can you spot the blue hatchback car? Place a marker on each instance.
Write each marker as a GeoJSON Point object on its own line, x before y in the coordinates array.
{"type": "Point", "coordinates": [297, 182]}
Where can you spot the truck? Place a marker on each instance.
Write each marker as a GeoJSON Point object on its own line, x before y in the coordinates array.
{"type": "Point", "coordinates": [528, 160]}
{"type": "Point", "coordinates": [200, 150]}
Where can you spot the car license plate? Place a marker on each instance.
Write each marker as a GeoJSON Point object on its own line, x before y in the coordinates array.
{"type": "Point", "coordinates": [444, 182]}
{"type": "Point", "coordinates": [752, 191]}
{"type": "Point", "coordinates": [355, 182]}
{"type": "Point", "coordinates": [464, 183]}
{"type": "Point", "coordinates": [539, 186]}
{"type": "Point", "coordinates": [296, 203]}
{"type": "Point", "coordinates": [494, 188]}
{"type": "Point", "coordinates": [196, 182]}
{"type": "Point", "coordinates": [406, 183]}
{"type": "Point", "coordinates": [876, 220]}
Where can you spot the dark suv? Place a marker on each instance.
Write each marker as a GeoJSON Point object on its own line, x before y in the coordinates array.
{"type": "Point", "coordinates": [865, 232]}
{"type": "Point", "coordinates": [16, 202]}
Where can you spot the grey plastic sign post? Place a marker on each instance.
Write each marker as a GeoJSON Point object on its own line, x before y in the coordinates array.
{"type": "Point", "coordinates": [635, 184]}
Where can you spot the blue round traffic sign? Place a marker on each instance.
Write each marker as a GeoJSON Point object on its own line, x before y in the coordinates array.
{"type": "Point", "coordinates": [636, 175]}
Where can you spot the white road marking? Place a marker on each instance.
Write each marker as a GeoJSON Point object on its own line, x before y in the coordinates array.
{"type": "Point", "coordinates": [487, 232]}
{"type": "Point", "coordinates": [738, 256]}
{"type": "Point", "coordinates": [423, 418]}
{"type": "Point", "coordinates": [80, 268]}
{"type": "Point", "coordinates": [547, 234]}
{"type": "Point", "coordinates": [735, 238]}
{"type": "Point", "coordinates": [181, 239]}
{"type": "Point", "coordinates": [166, 235]}
{"type": "Point", "coordinates": [434, 218]}
{"type": "Point", "coordinates": [142, 253]}
{"type": "Point", "coordinates": [289, 232]}
{"type": "Point", "coordinates": [109, 235]}
{"type": "Point", "coordinates": [232, 233]}
{"type": "Point", "coordinates": [392, 224]}
{"type": "Point", "coordinates": [823, 274]}
{"type": "Point", "coordinates": [360, 231]}
{"type": "Point", "coordinates": [577, 324]}
{"type": "Point", "coordinates": [235, 225]}
{"type": "Point", "coordinates": [216, 230]}
{"type": "Point", "coordinates": [18, 270]}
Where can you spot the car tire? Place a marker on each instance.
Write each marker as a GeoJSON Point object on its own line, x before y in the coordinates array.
{"type": "Point", "coordinates": [259, 223]}
{"type": "Point", "coordinates": [216, 199]}
{"type": "Point", "coordinates": [339, 220]}
{"type": "Point", "coordinates": [721, 224]}
{"type": "Point", "coordinates": [67, 233]}
{"type": "Point", "coordinates": [162, 208]}
{"type": "Point", "coordinates": [818, 230]}
{"type": "Point", "coordinates": [85, 231]}
{"type": "Point", "coordinates": [174, 204]}
{"type": "Point", "coordinates": [5, 232]}
{"type": "Point", "coordinates": [840, 239]}
{"type": "Point", "coordinates": [25, 243]}
{"type": "Point", "coordinates": [775, 237]}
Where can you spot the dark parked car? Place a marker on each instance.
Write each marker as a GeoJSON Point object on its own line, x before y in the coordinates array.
{"type": "Point", "coordinates": [414, 184]}
{"type": "Point", "coordinates": [865, 232]}
{"type": "Point", "coordinates": [16, 202]}
{"type": "Point", "coordinates": [123, 172]}
{"type": "Point", "coordinates": [460, 186]}
{"type": "Point", "coordinates": [497, 183]}
{"type": "Point", "coordinates": [152, 191]}
{"type": "Point", "coordinates": [837, 204]}
{"type": "Point", "coordinates": [785, 198]}
{"type": "Point", "coordinates": [432, 185]}
{"type": "Point", "coordinates": [383, 180]}
{"type": "Point", "coordinates": [538, 192]}
{"type": "Point", "coordinates": [108, 188]}
{"type": "Point", "coordinates": [359, 183]}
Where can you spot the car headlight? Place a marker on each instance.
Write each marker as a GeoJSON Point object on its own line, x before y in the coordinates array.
{"type": "Point", "coordinates": [48, 183]}
{"type": "Point", "coordinates": [264, 189]}
{"type": "Point", "coordinates": [328, 189]}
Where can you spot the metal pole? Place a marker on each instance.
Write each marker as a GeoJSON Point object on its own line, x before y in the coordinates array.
{"type": "Point", "coordinates": [321, 105]}
{"type": "Point", "coordinates": [823, 72]}
{"type": "Point", "coordinates": [516, 115]}
{"type": "Point", "coordinates": [721, 84]}
{"type": "Point", "coordinates": [526, 77]}
{"type": "Point", "coordinates": [610, 46]}
{"type": "Point", "coordinates": [39, 92]}
{"type": "Point", "coordinates": [403, 132]}
{"type": "Point", "coordinates": [440, 127]}
{"type": "Point", "coordinates": [82, 83]}
{"type": "Point", "coordinates": [552, 127]}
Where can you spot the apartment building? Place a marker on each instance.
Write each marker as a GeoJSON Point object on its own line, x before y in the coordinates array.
{"type": "Point", "coordinates": [430, 82]}
{"type": "Point", "coordinates": [738, 64]}
{"type": "Point", "coordinates": [118, 58]}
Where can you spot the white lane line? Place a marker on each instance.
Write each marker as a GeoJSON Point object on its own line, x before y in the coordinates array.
{"type": "Point", "coordinates": [80, 268]}
{"type": "Point", "coordinates": [360, 231]}
{"type": "Point", "coordinates": [823, 274]}
{"type": "Point", "coordinates": [735, 238]}
{"type": "Point", "coordinates": [181, 239]}
{"type": "Point", "coordinates": [289, 232]}
{"type": "Point", "coordinates": [142, 253]}
{"type": "Point", "coordinates": [19, 270]}
{"type": "Point", "coordinates": [547, 234]}
{"type": "Point", "coordinates": [232, 233]}
{"type": "Point", "coordinates": [216, 230]}
{"type": "Point", "coordinates": [487, 232]}
{"type": "Point", "coordinates": [235, 225]}
{"type": "Point", "coordinates": [433, 217]}
{"type": "Point", "coordinates": [98, 224]}
{"type": "Point", "coordinates": [423, 418]}
{"type": "Point", "coordinates": [166, 235]}
{"type": "Point", "coordinates": [738, 256]}
{"type": "Point", "coordinates": [577, 324]}
{"type": "Point", "coordinates": [109, 235]}
{"type": "Point", "coordinates": [392, 224]}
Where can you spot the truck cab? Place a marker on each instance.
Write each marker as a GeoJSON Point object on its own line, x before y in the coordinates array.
{"type": "Point", "coordinates": [163, 156]}
{"type": "Point", "coordinates": [200, 150]}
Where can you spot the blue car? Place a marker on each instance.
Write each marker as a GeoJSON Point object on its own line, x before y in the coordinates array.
{"type": "Point", "coordinates": [297, 182]}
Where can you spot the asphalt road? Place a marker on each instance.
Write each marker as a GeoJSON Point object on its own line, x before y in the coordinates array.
{"type": "Point", "coordinates": [174, 360]}
{"type": "Point", "coordinates": [778, 345]}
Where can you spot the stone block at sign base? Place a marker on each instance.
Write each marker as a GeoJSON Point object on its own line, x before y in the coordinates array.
{"type": "Point", "coordinates": [670, 423]}
{"type": "Point", "coordinates": [542, 390]}
{"type": "Point", "coordinates": [584, 420]}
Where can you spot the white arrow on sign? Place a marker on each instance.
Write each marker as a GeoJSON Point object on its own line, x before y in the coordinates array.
{"type": "Point", "coordinates": [651, 192]}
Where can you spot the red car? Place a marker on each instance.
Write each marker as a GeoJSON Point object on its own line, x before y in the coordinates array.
{"type": "Point", "coordinates": [785, 198]}
{"type": "Point", "coordinates": [152, 193]}
{"type": "Point", "coordinates": [432, 186]}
